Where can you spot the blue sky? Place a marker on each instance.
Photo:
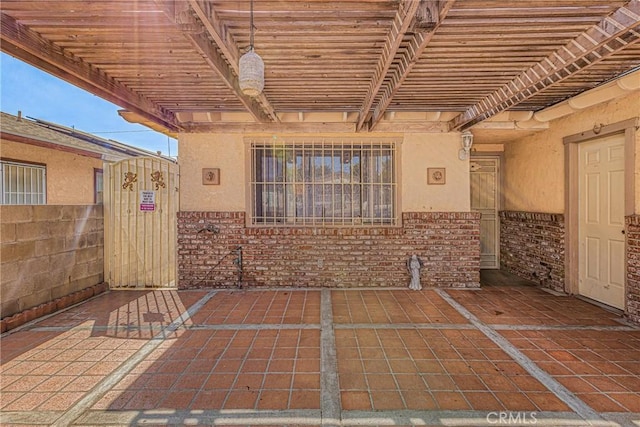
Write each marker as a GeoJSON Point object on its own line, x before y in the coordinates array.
{"type": "Point", "coordinates": [41, 96]}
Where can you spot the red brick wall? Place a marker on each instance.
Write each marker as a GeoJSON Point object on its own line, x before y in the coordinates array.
{"type": "Point", "coordinates": [448, 243]}
{"type": "Point", "coordinates": [532, 247]}
{"type": "Point", "coordinates": [633, 267]}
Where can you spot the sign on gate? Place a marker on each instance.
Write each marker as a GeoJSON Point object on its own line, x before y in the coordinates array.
{"type": "Point", "coordinates": [147, 200]}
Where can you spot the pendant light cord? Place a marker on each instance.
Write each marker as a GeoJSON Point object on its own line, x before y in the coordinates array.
{"type": "Point", "coordinates": [251, 29]}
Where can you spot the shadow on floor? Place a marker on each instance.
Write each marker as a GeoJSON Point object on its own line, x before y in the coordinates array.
{"type": "Point", "coordinates": [502, 278]}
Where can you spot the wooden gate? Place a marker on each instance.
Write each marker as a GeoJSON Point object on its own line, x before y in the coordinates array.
{"type": "Point", "coordinates": [140, 205]}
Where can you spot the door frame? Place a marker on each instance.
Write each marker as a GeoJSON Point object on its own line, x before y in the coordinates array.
{"type": "Point", "coordinates": [499, 156]}
{"type": "Point", "coordinates": [572, 207]}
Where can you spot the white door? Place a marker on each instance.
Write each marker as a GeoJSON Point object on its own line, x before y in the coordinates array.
{"type": "Point", "coordinates": [485, 198]}
{"type": "Point", "coordinates": [601, 233]}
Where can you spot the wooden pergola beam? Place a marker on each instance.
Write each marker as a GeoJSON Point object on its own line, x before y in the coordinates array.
{"type": "Point", "coordinates": [409, 56]}
{"type": "Point", "coordinates": [197, 21]}
{"type": "Point", "coordinates": [30, 47]}
{"type": "Point", "coordinates": [614, 33]}
{"type": "Point", "coordinates": [403, 18]}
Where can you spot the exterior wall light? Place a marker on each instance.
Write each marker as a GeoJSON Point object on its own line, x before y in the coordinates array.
{"type": "Point", "coordinates": [467, 142]}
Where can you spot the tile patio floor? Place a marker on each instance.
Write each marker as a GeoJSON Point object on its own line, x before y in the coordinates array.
{"type": "Point", "coordinates": [495, 356]}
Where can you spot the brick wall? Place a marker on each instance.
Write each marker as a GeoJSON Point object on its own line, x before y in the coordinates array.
{"type": "Point", "coordinates": [48, 252]}
{"type": "Point", "coordinates": [448, 243]}
{"type": "Point", "coordinates": [532, 247]}
{"type": "Point", "coordinates": [633, 267]}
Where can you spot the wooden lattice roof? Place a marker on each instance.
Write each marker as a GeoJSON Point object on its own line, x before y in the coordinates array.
{"type": "Point", "coordinates": [172, 61]}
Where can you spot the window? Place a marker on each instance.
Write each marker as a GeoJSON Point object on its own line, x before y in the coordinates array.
{"type": "Point", "coordinates": [98, 186]}
{"type": "Point", "coordinates": [22, 183]}
{"type": "Point", "coordinates": [323, 183]}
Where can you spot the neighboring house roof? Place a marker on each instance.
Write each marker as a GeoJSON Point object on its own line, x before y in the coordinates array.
{"type": "Point", "coordinates": [54, 136]}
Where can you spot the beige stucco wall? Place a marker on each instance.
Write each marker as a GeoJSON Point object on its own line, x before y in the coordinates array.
{"type": "Point", "coordinates": [69, 176]}
{"type": "Point", "coordinates": [228, 152]}
{"type": "Point", "coordinates": [534, 170]}
{"type": "Point", "coordinates": [423, 151]}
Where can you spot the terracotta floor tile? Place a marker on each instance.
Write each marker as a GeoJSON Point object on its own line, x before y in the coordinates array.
{"type": "Point", "coordinates": [440, 382]}
{"type": "Point", "coordinates": [576, 384]}
{"type": "Point", "coordinates": [547, 401]}
{"type": "Point", "coordinates": [277, 381]}
{"type": "Point", "coordinates": [241, 399]}
{"type": "Point", "coordinates": [386, 400]}
{"type": "Point", "coordinates": [381, 382]}
{"type": "Point", "coordinates": [193, 381]}
{"type": "Point", "coordinates": [162, 381]}
{"type": "Point", "coordinates": [581, 368]}
{"type": "Point", "coordinates": [284, 365]}
{"type": "Point", "coordinates": [61, 401]}
{"type": "Point", "coordinates": [180, 399]}
{"type": "Point", "coordinates": [25, 383]}
{"type": "Point", "coordinates": [447, 400]}
{"type": "Point", "coordinates": [515, 401]}
{"type": "Point", "coordinates": [307, 365]}
{"type": "Point", "coordinates": [411, 382]}
{"type": "Point", "coordinates": [209, 399]}
{"type": "Point", "coordinates": [458, 367]}
{"type": "Point", "coordinates": [600, 402]}
{"type": "Point", "coordinates": [308, 381]}
{"type": "Point", "coordinates": [83, 383]}
{"type": "Point", "coordinates": [376, 366]}
{"type": "Point", "coordinates": [27, 402]}
{"type": "Point", "coordinates": [483, 401]}
{"type": "Point", "coordinates": [527, 383]}
{"type": "Point", "coordinates": [418, 400]}
{"type": "Point", "coordinates": [56, 383]}
{"type": "Point", "coordinates": [273, 399]}
{"type": "Point", "coordinates": [402, 366]}
{"type": "Point", "coordinates": [304, 399]}
{"type": "Point", "coordinates": [113, 400]}
{"type": "Point", "coordinates": [429, 367]}
{"type": "Point", "coordinates": [218, 381]}
{"type": "Point", "coordinates": [145, 399]}
{"type": "Point", "coordinates": [249, 381]}
{"type": "Point", "coordinates": [355, 400]}
{"type": "Point", "coordinates": [228, 366]}
{"type": "Point", "coordinates": [498, 383]}
{"type": "Point", "coordinates": [605, 384]}
{"type": "Point", "coordinates": [9, 397]}
{"type": "Point", "coordinates": [468, 382]}
{"type": "Point", "coordinates": [630, 401]}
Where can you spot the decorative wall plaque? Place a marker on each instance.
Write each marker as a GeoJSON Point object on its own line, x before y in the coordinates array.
{"type": "Point", "coordinates": [210, 176]}
{"type": "Point", "coordinates": [436, 176]}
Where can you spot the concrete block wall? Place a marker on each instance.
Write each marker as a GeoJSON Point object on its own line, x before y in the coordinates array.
{"type": "Point", "coordinates": [447, 242]}
{"type": "Point", "coordinates": [47, 252]}
{"type": "Point", "coordinates": [532, 247]}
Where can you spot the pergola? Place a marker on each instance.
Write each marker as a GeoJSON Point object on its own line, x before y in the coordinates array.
{"type": "Point", "coordinates": [343, 66]}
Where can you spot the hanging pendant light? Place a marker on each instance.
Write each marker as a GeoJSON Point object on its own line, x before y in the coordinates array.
{"type": "Point", "coordinates": [251, 78]}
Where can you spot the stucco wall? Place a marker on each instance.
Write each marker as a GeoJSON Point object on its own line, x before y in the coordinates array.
{"type": "Point", "coordinates": [69, 176]}
{"type": "Point", "coordinates": [535, 166]}
{"type": "Point", "coordinates": [417, 152]}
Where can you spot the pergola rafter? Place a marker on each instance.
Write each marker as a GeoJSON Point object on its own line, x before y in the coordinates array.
{"type": "Point", "coordinates": [403, 18]}
{"type": "Point", "coordinates": [409, 57]}
{"type": "Point", "coordinates": [30, 47]}
{"type": "Point", "coordinates": [614, 33]}
{"type": "Point", "coordinates": [193, 20]}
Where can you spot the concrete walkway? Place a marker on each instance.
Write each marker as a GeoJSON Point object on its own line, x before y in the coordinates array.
{"type": "Point", "coordinates": [495, 356]}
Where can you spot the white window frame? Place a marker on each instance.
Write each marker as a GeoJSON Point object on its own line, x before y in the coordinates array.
{"type": "Point", "coordinates": [323, 182]}
{"type": "Point", "coordinates": [15, 191]}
